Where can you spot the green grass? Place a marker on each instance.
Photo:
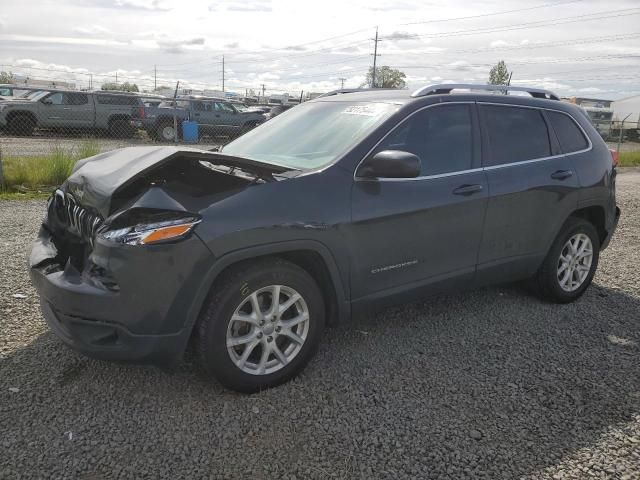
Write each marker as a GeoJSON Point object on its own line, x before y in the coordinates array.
{"type": "Point", "coordinates": [45, 171]}
{"type": "Point", "coordinates": [630, 159]}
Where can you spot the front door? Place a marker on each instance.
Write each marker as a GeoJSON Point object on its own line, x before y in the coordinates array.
{"type": "Point", "coordinates": [67, 110]}
{"type": "Point", "coordinates": [413, 233]}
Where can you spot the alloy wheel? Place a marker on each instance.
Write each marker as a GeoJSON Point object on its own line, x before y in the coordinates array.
{"type": "Point", "coordinates": [267, 330]}
{"type": "Point", "coordinates": [575, 261]}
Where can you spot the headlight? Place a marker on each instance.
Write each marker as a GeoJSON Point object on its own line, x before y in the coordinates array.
{"type": "Point", "coordinates": [150, 233]}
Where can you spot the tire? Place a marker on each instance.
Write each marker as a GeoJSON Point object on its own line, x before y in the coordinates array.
{"type": "Point", "coordinates": [22, 125]}
{"type": "Point", "coordinates": [162, 132]}
{"type": "Point", "coordinates": [556, 269]}
{"type": "Point", "coordinates": [234, 296]}
{"type": "Point", "coordinates": [121, 128]}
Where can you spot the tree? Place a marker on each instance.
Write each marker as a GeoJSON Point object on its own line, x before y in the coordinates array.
{"type": "Point", "coordinates": [386, 77]}
{"type": "Point", "coordinates": [499, 75]}
{"type": "Point", "coordinates": [6, 77]}
{"type": "Point", "coordinates": [123, 87]}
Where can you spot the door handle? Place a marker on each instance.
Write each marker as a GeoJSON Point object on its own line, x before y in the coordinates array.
{"type": "Point", "coordinates": [217, 116]}
{"type": "Point", "coordinates": [467, 189]}
{"type": "Point", "coordinates": [66, 108]}
{"type": "Point", "coordinates": [561, 174]}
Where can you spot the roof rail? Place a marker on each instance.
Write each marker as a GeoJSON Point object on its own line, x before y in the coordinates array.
{"type": "Point", "coordinates": [447, 87]}
{"type": "Point", "coordinates": [341, 91]}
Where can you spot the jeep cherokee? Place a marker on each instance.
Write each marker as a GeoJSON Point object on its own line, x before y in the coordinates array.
{"type": "Point", "coordinates": [349, 201]}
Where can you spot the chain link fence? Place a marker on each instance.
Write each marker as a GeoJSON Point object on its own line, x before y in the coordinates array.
{"type": "Point", "coordinates": [45, 132]}
{"type": "Point", "coordinates": [46, 128]}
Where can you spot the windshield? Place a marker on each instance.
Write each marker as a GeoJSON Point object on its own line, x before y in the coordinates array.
{"type": "Point", "coordinates": [240, 107]}
{"type": "Point", "coordinates": [311, 135]}
{"type": "Point", "coordinates": [35, 96]}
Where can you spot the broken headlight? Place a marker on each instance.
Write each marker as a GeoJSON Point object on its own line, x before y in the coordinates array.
{"type": "Point", "coordinates": [167, 230]}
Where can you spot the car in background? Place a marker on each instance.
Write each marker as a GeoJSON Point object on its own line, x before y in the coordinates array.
{"type": "Point", "coordinates": [71, 110]}
{"type": "Point", "coordinates": [215, 117]}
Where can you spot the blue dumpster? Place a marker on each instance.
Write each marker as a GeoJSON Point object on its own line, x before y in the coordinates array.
{"type": "Point", "coordinates": [190, 131]}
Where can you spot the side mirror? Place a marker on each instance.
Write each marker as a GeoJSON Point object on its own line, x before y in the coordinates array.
{"type": "Point", "coordinates": [47, 101]}
{"type": "Point", "coordinates": [390, 164]}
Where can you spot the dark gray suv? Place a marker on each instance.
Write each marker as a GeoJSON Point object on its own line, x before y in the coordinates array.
{"type": "Point", "coordinates": [346, 202]}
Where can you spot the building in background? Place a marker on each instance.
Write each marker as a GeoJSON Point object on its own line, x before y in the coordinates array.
{"type": "Point", "coordinates": [26, 81]}
{"type": "Point", "coordinates": [627, 110]}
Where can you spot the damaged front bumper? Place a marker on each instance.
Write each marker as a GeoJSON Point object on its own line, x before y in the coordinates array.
{"type": "Point", "coordinates": [120, 302]}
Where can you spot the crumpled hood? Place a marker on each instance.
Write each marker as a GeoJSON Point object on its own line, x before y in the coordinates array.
{"type": "Point", "coordinates": [94, 180]}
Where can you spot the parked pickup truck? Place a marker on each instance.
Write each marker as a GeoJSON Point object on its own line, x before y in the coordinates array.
{"type": "Point", "coordinates": [71, 110]}
{"type": "Point", "coordinates": [215, 117]}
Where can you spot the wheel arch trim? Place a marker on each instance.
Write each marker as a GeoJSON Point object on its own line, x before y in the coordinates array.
{"type": "Point", "coordinates": [236, 256]}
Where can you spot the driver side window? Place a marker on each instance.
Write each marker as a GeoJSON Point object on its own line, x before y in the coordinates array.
{"type": "Point", "coordinates": [56, 98]}
{"type": "Point", "coordinates": [441, 136]}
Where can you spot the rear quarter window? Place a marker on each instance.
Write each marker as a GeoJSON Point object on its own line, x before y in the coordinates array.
{"type": "Point", "coordinates": [117, 100]}
{"type": "Point", "coordinates": [569, 134]}
{"type": "Point", "coordinates": [516, 134]}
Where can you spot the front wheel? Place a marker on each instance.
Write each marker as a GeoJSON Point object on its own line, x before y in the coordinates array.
{"type": "Point", "coordinates": [262, 325]}
{"type": "Point", "coordinates": [571, 263]}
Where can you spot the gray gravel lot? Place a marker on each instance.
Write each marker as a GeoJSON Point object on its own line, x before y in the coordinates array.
{"type": "Point", "coordinates": [489, 384]}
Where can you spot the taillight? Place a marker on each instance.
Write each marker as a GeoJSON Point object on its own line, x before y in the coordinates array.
{"type": "Point", "coordinates": [141, 112]}
{"type": "Point", "coordinates": [614, 157]}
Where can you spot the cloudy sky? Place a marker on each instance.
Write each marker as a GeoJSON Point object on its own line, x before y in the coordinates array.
{"type": "Point", "coordinates": [579, 47]}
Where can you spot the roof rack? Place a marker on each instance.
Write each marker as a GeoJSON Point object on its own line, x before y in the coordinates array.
{"type": "Point", "coordinates": [447, 87]}
{"type": "Point", "coordinates": [341, 91]}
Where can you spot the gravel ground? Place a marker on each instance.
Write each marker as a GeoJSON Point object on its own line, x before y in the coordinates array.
{"type": "Point", "coordinates": [490, 384]}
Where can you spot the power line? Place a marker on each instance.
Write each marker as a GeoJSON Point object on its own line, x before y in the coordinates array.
{"type": "Point", "coordinates": [537, 24]}
{"type": "Point", "coordinates": [528, 46]}
{"type": "Point", "coordinates": [482, 15]}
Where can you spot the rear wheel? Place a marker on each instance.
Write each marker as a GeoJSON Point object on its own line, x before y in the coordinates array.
{"type": "Point", "coordinates": [571, 263]}
{"type": "Point", "coordinates": [22, 125]}
{"type": "Point", "coordinates": [165, 132]}
{"type": "Point", "coordinates": [262, 325]}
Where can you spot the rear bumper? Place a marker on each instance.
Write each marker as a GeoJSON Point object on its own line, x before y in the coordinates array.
{"type": "Point", "coordinates": [611, 229]}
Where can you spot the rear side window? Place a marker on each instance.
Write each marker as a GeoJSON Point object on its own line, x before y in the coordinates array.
{"type": "Point", "coordinates": [117, 100]}
{"type": "Point", "coordinates": [442, 137]}
{"type": "Point", "coordinates": [515, 134]}
{"type": "Point", "coordinates": [77, 99]}
{"type": "Point", "coordinates": [569, 134]}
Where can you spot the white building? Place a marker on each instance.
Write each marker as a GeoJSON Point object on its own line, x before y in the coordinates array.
{"type": "Point", "coordinates": [627, 108]}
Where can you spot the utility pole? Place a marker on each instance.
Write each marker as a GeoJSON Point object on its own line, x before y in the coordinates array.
{"type": "Point", "coordinates": [263, 92]}
{"type": "Point", "coordinates": [116, 77]}
{"type": "Point", "coordinates": [342, 82]}
{"type": "Point", "coordinates": [155, 78]}
{"type": "Point", "coordinates": [91, 81]}
{"type": "Point", "coordinates": [223, 73]}
{"type": "Point", "coordinates": [375, 56]}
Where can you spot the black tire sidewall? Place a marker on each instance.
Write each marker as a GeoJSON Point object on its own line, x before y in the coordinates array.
{"type": "Point", "coordinates": [573, 227]}
{"type": "Point", "coordinates": [22, 125]}
{"type": "Point", "coordinates": [213, 332]}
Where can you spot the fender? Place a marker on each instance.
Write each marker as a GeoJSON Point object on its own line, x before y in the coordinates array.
{"type": "Point", "coordinates": [343, 303]}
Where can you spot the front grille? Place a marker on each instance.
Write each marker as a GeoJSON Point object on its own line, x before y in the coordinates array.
{"type": "Point", "coordinates": [73, 217]}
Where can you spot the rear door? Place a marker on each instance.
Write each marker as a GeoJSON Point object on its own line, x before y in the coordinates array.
{"type": "Point", "coordinates": [408, 234]}
{"type": "Point", "coordinates": [532, 189]}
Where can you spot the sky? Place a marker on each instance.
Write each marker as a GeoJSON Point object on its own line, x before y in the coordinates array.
{"type": "Point", "coordinates": [573, 47]}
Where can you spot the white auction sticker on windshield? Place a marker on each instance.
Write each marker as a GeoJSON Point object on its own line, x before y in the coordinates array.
{"type": "Point", "coordinates": [366, 110]}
